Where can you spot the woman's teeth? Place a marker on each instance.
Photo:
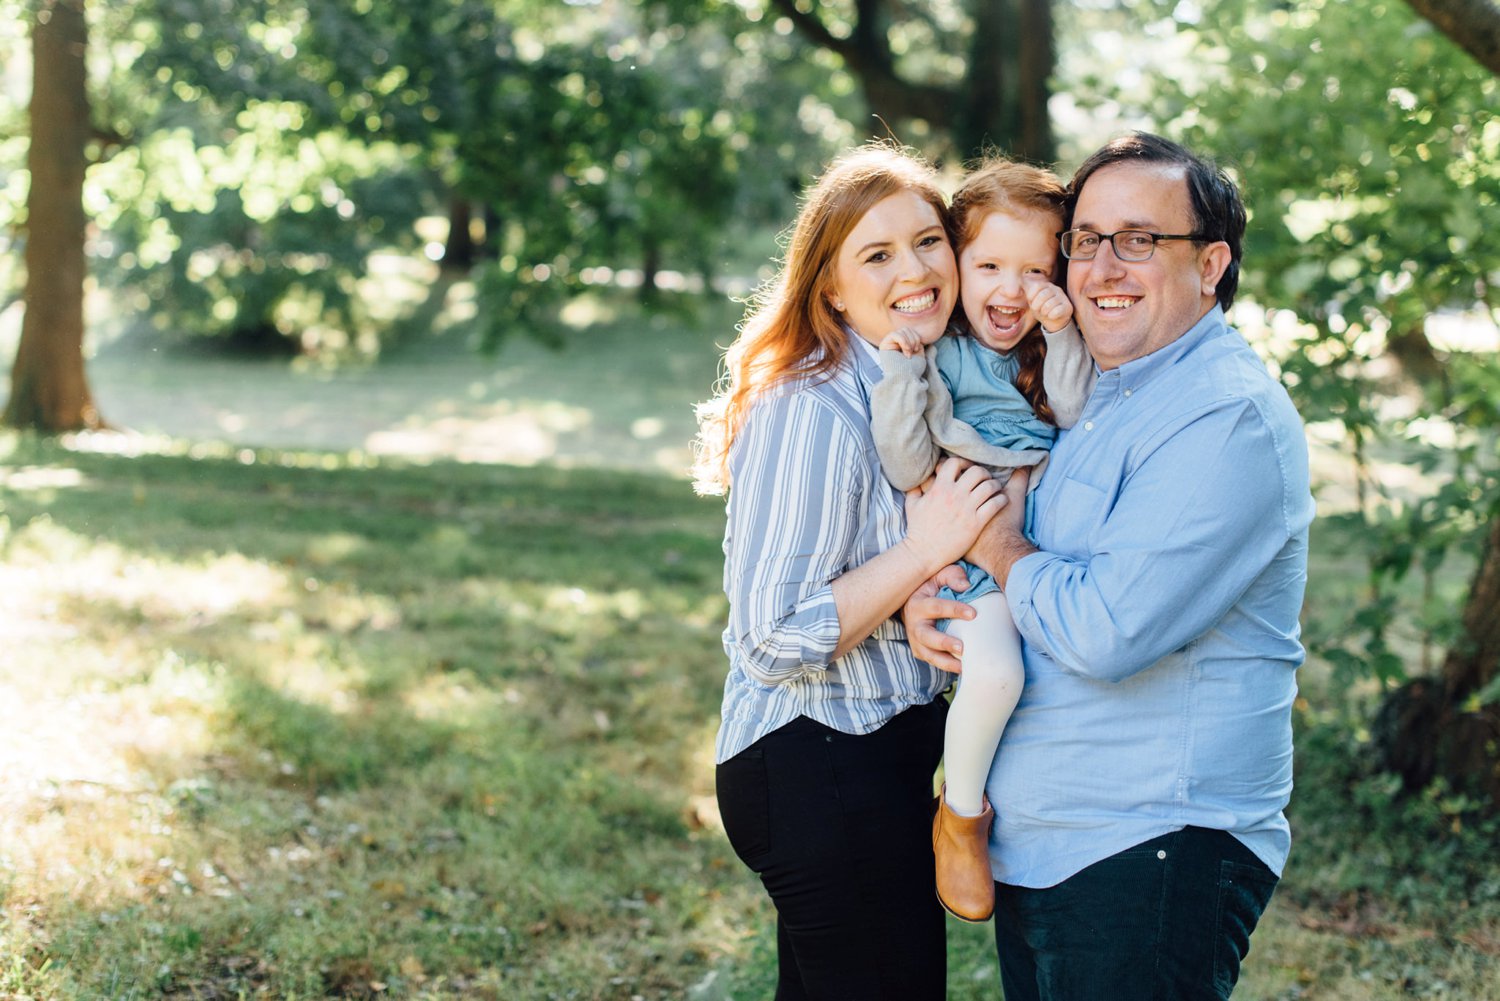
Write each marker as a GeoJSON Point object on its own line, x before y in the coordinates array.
{"type": "Point", "coordinates": [915, 303]}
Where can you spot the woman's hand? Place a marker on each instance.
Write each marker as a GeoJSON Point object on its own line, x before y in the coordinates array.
{"type": "Point", "coordinates": [921, 613]}
{"type": "Point", "coordinates": [947, 513]}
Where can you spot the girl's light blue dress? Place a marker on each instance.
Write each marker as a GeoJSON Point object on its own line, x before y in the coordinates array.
{"type": "Point", "coordinates": [982, 383]}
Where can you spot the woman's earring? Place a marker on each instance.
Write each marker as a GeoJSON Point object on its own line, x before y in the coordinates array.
{"type": "Point", "coordinates": [838, 305]}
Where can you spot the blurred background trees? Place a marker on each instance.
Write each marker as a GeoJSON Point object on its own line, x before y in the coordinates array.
{"type": "Point", "coordinates": [260, 171]}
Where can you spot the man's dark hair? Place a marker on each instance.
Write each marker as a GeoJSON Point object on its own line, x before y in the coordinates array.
{"type": "Point", "coordinates": [1218, 213]}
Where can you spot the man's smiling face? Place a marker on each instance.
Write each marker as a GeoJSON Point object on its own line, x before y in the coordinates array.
{"type": "Point", "coordinates": [1127, 310]}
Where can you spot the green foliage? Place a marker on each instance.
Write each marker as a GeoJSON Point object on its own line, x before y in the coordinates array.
{"type": "Point", "coordinates": [258, 157]}
{"type": "Point", "coordinates": [1427, 857]}
{"type": "Point", "coordinates": [1368, 148]}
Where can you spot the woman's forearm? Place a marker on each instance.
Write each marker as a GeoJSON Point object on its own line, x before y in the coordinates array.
{"type": "Point", "coordinates": [871, 593]}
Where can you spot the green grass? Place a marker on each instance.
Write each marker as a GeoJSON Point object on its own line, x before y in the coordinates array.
{"type": "Point", "coordinates": [309, 731]}
{"type": "Point", "coordinates": [300, 724]}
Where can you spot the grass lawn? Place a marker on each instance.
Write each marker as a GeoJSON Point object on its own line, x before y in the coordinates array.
{"type": "Point", "coordinates": [292, 723]}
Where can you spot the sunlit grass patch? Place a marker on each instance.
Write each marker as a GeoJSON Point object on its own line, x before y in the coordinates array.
{"type": "Point", "coordinates": [301, 729]}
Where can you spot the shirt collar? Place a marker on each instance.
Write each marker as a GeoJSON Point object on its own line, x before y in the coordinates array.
{"type": "Point", "coordinates": [864, 357]}
{"type": "Point", "coordinates": [1139, 370]}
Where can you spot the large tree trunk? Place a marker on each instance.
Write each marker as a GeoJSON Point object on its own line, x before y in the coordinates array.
{"type": "Point", "coordinates": [459, 252]}
{"type": "Point", "coordinates": [1001, 102]}
{"type": "Point", "coordinates": [1429, 728]}
{"type": "Point", "coordinates": [48, 388]}
{"type": "Point", "coordinates": [1474, 25]}
{"type": "Point", "coordinates": [1037, 59]}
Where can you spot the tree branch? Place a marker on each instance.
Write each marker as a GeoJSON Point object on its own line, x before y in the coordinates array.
{"type": "Point", "coordinates": [1473, 25]}
{"type": "Point", "coordinates": [866, 52]}
{"type": "Point", "coordinates": [813, 27]}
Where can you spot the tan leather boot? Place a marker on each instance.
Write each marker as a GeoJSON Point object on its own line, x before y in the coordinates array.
{"type": "Point", "coordinates": [961, 845]}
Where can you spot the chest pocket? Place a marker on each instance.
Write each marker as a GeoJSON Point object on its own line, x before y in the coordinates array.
{"type": "Point", "coordinates": [1068, 516]}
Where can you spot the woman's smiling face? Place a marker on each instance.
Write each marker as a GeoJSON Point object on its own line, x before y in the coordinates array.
{"type": "Point", "coordinates": [896, 269]}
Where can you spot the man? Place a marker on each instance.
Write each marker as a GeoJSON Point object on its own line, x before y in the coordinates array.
{"type": "Point", "coordinates": [1139, 786]}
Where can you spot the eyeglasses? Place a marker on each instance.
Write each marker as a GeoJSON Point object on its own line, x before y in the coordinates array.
{"type": "Point", "coordinates": [1128, 244]}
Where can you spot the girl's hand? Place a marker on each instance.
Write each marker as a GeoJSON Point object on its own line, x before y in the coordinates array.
{"type": "Point", "coordinates": [1049, 304]}
{"type": "Point", "coordinates": [945, 515]}
{"type": "Point", "coordinates": [904, 339]}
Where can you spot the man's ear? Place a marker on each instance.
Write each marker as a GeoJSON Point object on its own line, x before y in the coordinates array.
{"type": "Point", "coordinates": [1213, 262]}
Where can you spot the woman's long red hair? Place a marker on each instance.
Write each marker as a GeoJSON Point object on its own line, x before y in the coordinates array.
{"type": "Point", "coordinates": [790, 329]}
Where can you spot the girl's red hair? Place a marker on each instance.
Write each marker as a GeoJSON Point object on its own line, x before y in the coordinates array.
{"type": "Point", "coordinates": [1023, 192]}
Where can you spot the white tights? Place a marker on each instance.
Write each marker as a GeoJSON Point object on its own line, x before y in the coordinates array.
{"type": "Point", "coordinates": [987, 692]}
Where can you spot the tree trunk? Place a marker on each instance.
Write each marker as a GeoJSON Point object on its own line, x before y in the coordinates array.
{"type": "Point", "coordinates": [1473, 25]}
{"type": "Point", "coordinates": [1001, 102]}
{"type": "Point", "coordinates": [1037, 62]}
{"type": "Point", "coordinates": [991, 81]}
{"type": "Point", "coordinates": [459, 253]}
{"type": "Point", "coordinates": [650, 269]}
{"type": "Point", "coordinates": [1427, 728]}
{"type": "Point", "coordinates": [48, 388]}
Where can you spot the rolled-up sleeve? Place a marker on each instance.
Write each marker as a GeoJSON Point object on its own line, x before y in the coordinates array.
{"type": "Point", "coordinates": [799, 482]}
{"type": "Point", "coordinates": [1200, 516]}
{"type": "Point", "coordinates": [898, 409]}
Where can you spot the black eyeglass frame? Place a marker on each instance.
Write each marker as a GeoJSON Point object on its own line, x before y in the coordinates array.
{"type": "Point", "coordinates": [1062, 243]}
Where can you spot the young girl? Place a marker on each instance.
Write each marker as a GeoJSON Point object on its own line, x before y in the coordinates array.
{"type": "Point", "coordinates": [993, 390]}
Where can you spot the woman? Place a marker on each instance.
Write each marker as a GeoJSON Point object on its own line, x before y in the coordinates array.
{"type": "Point", "coordinates": [831, 728]}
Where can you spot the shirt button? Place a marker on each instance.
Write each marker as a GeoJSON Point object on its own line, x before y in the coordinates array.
{"type": "Point", "coordinates": [1161, 855]}
{"type": "Point", "coordinates": [1088, 425]}
{"type": "Point", "coordinates": [1127, 392]}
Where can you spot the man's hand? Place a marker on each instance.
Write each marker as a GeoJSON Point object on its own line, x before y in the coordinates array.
{"type": "Point", "coordinates": [1003, 541]}
{"type": "Point", "coordinates": [921, 613]}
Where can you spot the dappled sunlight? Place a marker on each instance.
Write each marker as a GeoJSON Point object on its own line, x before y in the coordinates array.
{"type": "Point", "coordinates": [1455, 331]}
{"type": "Point", "coordinates": [620, 394]}
{"type": "Point", "coordinates": [87, 743]}
{"type": "Point", "coordinates": [40, 478]}
{"type": "Point", "coordinates": [81, 705]}
{"type": "Point", "coordinates": [50, 562]}
{"type": "Point", "coordinates": [521, 434]}
{"type": "Point", "coordinates": [460, 700]}
{"type": "Point", "coordinates": [86, 822]}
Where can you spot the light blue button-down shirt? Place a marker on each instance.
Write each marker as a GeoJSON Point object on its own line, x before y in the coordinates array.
{"type": "Point", "coordinates": [1160, 620]}
{"type": "Point", "coordinates": [807, 503]}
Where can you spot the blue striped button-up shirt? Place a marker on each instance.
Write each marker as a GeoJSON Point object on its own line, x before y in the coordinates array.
{"type": "Point", "coordinates": [807, 503]}
{"type": "Point", "coordinates": [1160, 621]}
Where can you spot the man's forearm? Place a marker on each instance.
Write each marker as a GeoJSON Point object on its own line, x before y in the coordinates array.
{"type": "Point", "coordinates": [998, 548]}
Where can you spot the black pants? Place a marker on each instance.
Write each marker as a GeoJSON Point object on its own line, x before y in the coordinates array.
{"type": "Point", "coordinates": [1167, 920]}
{"type": "Point", "coordinates": [839, 828]}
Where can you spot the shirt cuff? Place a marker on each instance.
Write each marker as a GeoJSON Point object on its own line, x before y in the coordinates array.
{"type": "Point", "coordinates": [821, 636]}
{"type": "Point", "coordinates": [1020, 586]}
